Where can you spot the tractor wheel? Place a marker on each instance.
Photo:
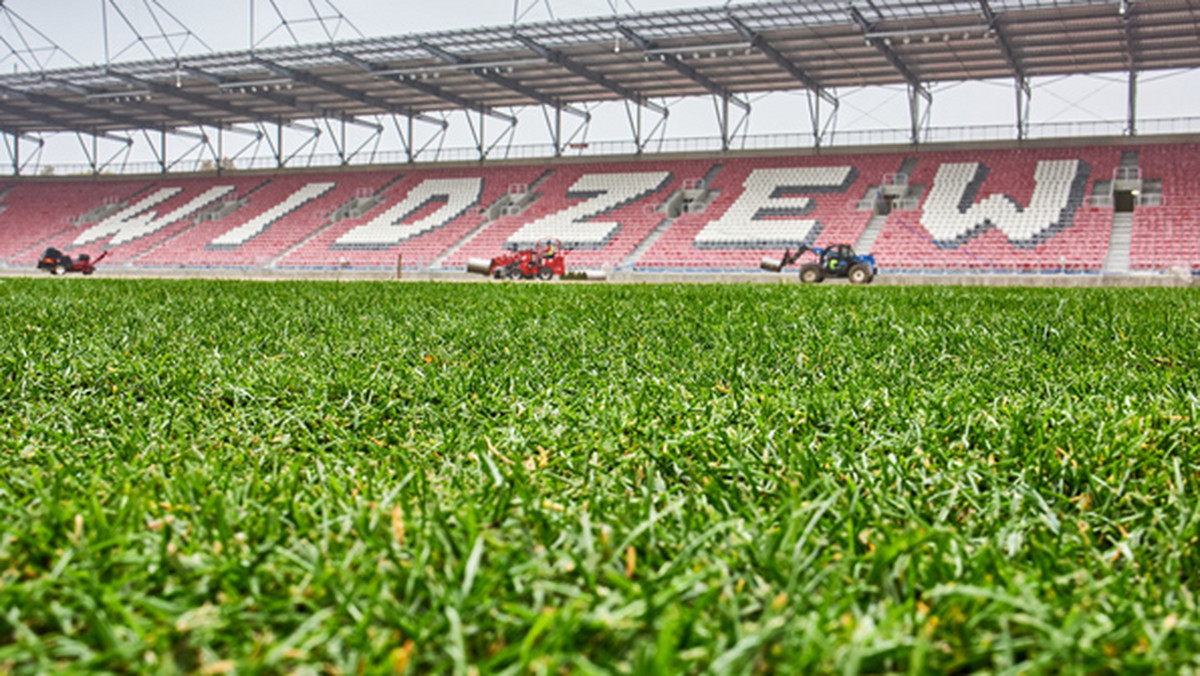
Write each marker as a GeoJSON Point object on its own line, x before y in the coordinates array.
{"type": "Point", "coordinates": [545, 274]}
{"type": "Point", "coordinates": [860, 274]}
{"type": "Point", "coordinates": [59, 270]}
{"type": "Point", "coordinates": [498, 273]}
{"type": "Point", "coordinates": [89, 271]}
{"type": "Point", "coordinates": [514, 272]}
{"type": "Point", "coordinates": [812, 274]}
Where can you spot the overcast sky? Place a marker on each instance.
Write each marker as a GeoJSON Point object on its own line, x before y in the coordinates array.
{"type": "Point", "coordinates": [223, 25]}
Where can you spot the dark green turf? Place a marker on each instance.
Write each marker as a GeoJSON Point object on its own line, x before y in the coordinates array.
{"type": "Point", "coordinates": [210, 476]}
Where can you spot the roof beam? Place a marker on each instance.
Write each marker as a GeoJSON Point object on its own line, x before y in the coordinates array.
{"type": "Point", "coordinates": [86, 111]}
{"type": "Point", "coordinates": [763, 45]}
{"type": "Point", "coordinates": [888, 53]}
{"type": "Point", "coordinates": [285, 101]}
{"type": "Point", "coordinates": [567, 63]}
{"type": "Point", "coordinates": [506, 82]}
{"type": "Point", "coordinates": [65, 125]}
{"type": "Point", "coordinates": [682, 68]}
{"type": "Point", "coordinates": [166, 111]}
{"type": "Point", "coordinates": [190, 97]}
{"type": "Point", "coordinates": [341, 90]}
{"type": "Point", "coordinates": [1005, 47]}
{"type": "Point", "coordinates": [17, 134]}
{"type": "Point", "coordinates": [424, 87]}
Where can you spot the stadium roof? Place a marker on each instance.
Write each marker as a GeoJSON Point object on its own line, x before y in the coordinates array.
{"type": "Point", "coordinates": [725, 51]}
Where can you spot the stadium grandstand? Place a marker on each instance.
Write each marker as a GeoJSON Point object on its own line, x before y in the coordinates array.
{"type": "Point", "coordinates": [1113, 203]}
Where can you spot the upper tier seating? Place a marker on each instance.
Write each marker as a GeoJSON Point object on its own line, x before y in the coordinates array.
{"type": "Point", "coordinates": [970, 210]}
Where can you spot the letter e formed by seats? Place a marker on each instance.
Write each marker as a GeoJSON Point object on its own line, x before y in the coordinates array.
{"type": "Point", "coordinates": [774, 208]}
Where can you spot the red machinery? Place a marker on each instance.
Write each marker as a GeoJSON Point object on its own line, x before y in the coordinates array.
{"type": "Point", "coordinates": [543, 261]}
{"type": "Point", "coordinates": [59, 263]}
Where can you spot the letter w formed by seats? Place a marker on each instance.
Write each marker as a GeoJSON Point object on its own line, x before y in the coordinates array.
{"type": "Point", "coordinates": [952, 216]}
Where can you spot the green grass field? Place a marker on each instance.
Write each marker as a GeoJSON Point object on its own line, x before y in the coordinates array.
{"type": "Point", "coordinates": [221, 477]}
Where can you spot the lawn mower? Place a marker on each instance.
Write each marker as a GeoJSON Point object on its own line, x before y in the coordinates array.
{"type": "Point", "coordinates": [543, 261]}
{"type": "Point", "coordinates": [59, 263]}
{"type": "Point", "coordinates": [838, 260]}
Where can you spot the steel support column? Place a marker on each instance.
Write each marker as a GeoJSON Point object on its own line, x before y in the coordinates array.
{"type": "Point", "coordinates": [14, 149]}
{"type": "Point", "coordinates": [1010, 56]}
{"type": "Point", "coordinates": [93, 153]}
{"type": "Point", "coordinates": [637, 134]}
{"type": "Point", "coordinates": [1023, 96]}
{"type": "Point", "coordinates": [1126, 11]}
{"type": "Point", "coordinates": [724, 123]}
{"type": "Point", "coordinates": [412, 156]}
{"type": "Point", "coordinates": [821, 126]}
{"type": "Point", "coordinates": [918, 117]}
{"type": "Point", "coordinates": [558, 139]}
{"type": "Point", "coordinates": [916, 90]}
{"type": "Point", "coordinates": [814, 90]}
{"type": "Point", "coordinates": [1131, 124]}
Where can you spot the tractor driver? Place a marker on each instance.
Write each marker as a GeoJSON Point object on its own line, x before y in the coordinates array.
{"type": "Point", "coordinates": [550, 251]}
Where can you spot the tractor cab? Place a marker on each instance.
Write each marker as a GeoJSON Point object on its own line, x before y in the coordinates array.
{"type": "Point", "coordinates": [836, 258]}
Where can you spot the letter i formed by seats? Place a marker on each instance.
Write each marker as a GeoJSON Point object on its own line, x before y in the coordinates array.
{"type": "Point", "coordinates": [262, 222]}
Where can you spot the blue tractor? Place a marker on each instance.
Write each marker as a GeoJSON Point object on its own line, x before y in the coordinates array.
{"type": "Point", "coordinates": [838, 260]}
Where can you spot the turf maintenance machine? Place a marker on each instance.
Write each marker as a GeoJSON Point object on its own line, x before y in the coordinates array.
{"type": "Point", "coordinates": [838, 260]}
{"type": "Point", "coordinates": [543, 261]}
{"type": "Point", "coordinates": [59, 263]}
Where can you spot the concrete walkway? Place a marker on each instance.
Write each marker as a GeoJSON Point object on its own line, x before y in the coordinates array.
{"type": "Point", "coordinates": [1177, 278]}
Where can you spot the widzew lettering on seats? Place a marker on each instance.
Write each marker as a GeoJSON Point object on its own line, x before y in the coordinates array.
{"type": "Point", "coordinates": [261, 223]}
{"type": "Point", "coordinates": [952, 216]}
{"type": "Point", "coordinates": [454, 195]}
{"type": "Point", "coordinates": [138, 220]}
{"type": "Point", "coordinates": [590, 223]}
{"type": "Point", "coordinates": [771, 211]}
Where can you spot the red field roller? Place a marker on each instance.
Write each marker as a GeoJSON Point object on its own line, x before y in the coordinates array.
{"type": "Point", "coordinates": [59, 263]}
{"type": "Point", "coordinates": [543, 261]}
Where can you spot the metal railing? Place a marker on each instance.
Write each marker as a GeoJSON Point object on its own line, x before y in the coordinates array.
{"type": "Point", "coordinates": [1127, 174]}
{"type": "Point", "coordinates": [693, 144]}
